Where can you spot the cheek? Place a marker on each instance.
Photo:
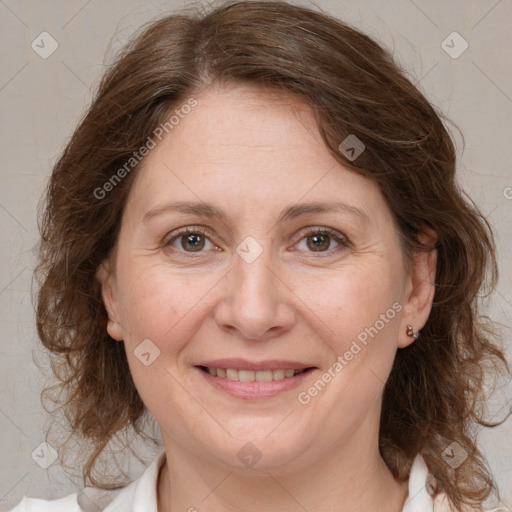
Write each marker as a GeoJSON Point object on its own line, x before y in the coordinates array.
{"type": "Point", "coordinates": [347, 304]}
{"type": "Point", "coordinates": [159, 309]}
{"type": "Point", "coordinates": [354, 317]}
{"type": "Point", "coordinates": [157, 301]}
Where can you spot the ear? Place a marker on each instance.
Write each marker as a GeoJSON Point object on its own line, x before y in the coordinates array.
{"type": "Point", "coordinates": [107, 280]}
{"type": "Point", "coordinates": [420, 288]}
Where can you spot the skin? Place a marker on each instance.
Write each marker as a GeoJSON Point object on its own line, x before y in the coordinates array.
{"type": "Point", "coordinates": [239, 149]}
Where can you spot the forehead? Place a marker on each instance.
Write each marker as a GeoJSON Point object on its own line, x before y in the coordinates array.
{"type": "Point", "coordinates": [237, 120]}
{"type": "Point", "coordinates": [243, 145]}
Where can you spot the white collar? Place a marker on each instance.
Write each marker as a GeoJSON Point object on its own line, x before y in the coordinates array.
{"type": "Point", "coordinates": [141, 494]}
{"type": "Point", "coordinates": [418, 498]}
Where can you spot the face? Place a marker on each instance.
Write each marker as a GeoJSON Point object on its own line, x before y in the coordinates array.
{"type": "Point", "coordinates": [298, 268]}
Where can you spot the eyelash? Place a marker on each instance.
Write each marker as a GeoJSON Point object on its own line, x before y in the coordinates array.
{"type": "Point", "coordinates": [340, 239]}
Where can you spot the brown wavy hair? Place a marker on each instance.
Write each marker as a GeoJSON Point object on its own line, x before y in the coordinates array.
{"type": "Point", "coordinates": [434, 395]}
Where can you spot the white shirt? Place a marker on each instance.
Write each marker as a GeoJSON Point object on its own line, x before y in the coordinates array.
{"type": "Point", "coordinates": [141, 495]}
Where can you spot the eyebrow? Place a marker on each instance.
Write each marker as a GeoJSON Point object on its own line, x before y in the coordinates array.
{"type": "Point", "coordinates": [201, 209]}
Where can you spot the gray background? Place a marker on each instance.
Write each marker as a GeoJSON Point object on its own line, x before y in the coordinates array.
{"type": "Point", "coordinates": [41, 101]}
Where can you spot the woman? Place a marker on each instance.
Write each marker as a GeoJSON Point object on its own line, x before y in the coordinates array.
{"type": "Point", "coordinates": [256, 238]}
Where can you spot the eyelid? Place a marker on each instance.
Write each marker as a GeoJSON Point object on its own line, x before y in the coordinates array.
{"type": "Point", "coordinates": [312, 230]}
{"type": "Point", "coordinates": [191, 229]}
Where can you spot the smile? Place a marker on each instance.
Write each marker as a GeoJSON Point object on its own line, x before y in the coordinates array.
{"type": "Point", "coordinates": [253, 384]}
{"type": "Point", "coordinates": [251, 375]}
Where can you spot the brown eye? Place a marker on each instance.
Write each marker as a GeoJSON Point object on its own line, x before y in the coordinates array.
{"type": "Point", "coordinates": [318, 242]}
{"type": "Point", "coordinates": [190, 240]}
{"type": "Point", "coordinates": [322, 240]}
{"type": "Point", "coordinates": [195, 241]}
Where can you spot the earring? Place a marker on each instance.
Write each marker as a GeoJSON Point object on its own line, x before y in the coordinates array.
{"type": "Point", "coordinates": [411, 333]}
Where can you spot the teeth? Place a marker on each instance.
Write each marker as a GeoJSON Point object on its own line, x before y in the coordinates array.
{"type": "Point", "coordinates": [278, 374]}
{"type": "Point", "coordinates": [231, 374]}
{"type": "Point", "coordinates": [251, 375]}
{"type": "Point", "coordinates": [246, 375]}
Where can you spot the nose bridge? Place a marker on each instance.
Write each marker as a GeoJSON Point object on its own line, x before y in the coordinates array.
{"type": "Point", "coordinates": [254, 302]}
{"type": "Point", "coordinates": [252, 275]}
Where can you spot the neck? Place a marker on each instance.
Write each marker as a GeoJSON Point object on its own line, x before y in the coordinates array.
{"type": "Point", "coordinates": [346, 479]}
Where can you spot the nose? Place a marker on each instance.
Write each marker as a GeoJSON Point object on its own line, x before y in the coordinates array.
{"type": "Point", "coordinates": [257, 301]}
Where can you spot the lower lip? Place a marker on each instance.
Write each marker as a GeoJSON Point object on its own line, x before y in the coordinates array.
{"type": "Point", "coordinates": [255, 390]}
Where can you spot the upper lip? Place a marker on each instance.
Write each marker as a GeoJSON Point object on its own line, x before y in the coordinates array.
{"type": "Point", "coordinates": [244, 364]}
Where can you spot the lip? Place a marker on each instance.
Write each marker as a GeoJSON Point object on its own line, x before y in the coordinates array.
{"type": "Point", "coordinates": [244, 364]}
{"type": "Point", "coordinates": [256, 390]}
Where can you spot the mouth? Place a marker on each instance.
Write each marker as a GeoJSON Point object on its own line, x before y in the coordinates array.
{"type": "Point", "coordinates": [236, 375]}
{"type": "Point", "coordinates": [251, 384]}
